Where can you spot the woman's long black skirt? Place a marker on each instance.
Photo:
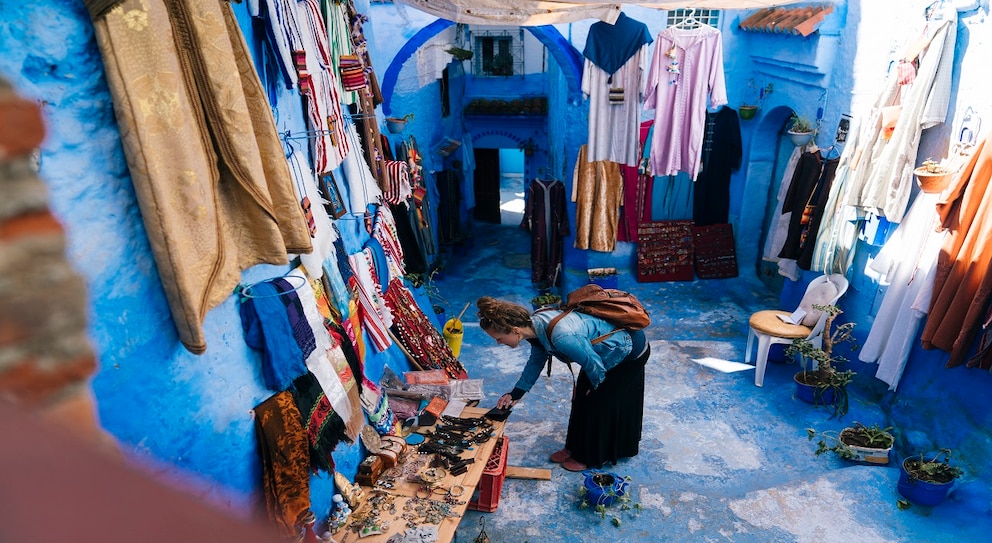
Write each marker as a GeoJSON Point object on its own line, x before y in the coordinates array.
{"type": "Point", "coordinates": [605, 424]}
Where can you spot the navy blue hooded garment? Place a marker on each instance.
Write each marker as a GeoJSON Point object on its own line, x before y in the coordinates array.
{"type": "Point", "coordinates": [611, 46]}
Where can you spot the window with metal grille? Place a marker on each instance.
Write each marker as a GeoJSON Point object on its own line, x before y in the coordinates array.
{"type": "Point", "coordinates": [497, 54]}
{"type": "Point", "coordinates": [709, 17]}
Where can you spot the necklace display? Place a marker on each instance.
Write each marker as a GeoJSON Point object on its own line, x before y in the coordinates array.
{"type": "Point", "coordinates": [418, 336]}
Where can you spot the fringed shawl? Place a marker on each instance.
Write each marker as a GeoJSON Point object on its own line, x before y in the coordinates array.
{"type": "Point", "coordinates": [283, 451]}
{"type": "Point", "coordinates": [323, 426]}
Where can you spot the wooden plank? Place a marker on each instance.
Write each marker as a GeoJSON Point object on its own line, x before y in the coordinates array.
{"type": "Point", "coordinates": [537, 474]}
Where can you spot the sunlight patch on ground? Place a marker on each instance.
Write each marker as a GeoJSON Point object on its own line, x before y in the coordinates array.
{"type": "Point", "coordinates": [514, 206]}
{"type": "Point", "coordinates": [654, 501]}
{"type": "Point", "coordinates": [691, 447]}
{"type": "Point", "coordinates": [800, 511]}
{"type": "Point", "coordinates": [528, 502]}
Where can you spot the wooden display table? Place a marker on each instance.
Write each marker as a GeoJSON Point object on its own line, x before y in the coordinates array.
{"type": "Point", "coordinates": [409, 502]}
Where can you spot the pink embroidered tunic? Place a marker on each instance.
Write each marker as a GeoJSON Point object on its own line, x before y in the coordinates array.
{"type": "Point", "coordinates": [686, 72]}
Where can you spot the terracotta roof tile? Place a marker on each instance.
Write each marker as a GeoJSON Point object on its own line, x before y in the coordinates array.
{"type": "Point", "coordinates": [800, 21]}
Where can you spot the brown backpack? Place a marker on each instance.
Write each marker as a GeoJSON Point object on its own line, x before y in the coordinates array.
{"type": "Point", "coordinates": [619, 308]}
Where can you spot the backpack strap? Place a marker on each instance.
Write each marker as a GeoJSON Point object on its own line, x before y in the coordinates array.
{"type": "Point", "coordinates": [560, 316]}
{"type": "Point", "coordinates": [547, 332]}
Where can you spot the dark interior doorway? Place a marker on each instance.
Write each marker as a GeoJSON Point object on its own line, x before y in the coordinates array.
{"type": "Point", "coordinates": [487, 177]}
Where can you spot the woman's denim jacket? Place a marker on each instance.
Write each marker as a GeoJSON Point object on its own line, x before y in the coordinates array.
{"type": "Point", "coordinates": [572, 338]}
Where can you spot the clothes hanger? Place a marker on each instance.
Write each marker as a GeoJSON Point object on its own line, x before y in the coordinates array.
{"type": "Point", "coordinates": [245, 290]}
{"type": "Point", "coordinates": [689, 23]}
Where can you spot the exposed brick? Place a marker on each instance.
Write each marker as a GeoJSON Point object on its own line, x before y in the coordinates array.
{"type": "Point", "coordinates": [33, 384]}
{"type": "Point", "coordinates": [28, 224]}
{"type": "Point", "coordinates": [21, 126]}
{"type": "Point", "coordinates": [41, 252]}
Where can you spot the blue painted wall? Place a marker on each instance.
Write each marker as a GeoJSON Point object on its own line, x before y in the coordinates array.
{"type": "Point", "coordinates": [188, 417]}
{"type": "Point", "coordinates": [184, 417]}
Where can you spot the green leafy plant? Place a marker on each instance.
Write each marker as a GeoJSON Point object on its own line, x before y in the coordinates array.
{"type": "Point", "coordinates": [932, 166]}
{"type": "Point", "coordinates": [826, 376]}
{"type": "Point", "coordinates": [800, 124]}
{"type": "Point", "coordinates": [756, 93]}
{"type": "Point", "coordinates": [872, 437]}
{"type": "Point", "coordinates": [934, 470]}
{"type": "Point", "coordinates": [619, 503]}
{"type": "Point", "coordinates": [459, 53]}
{"type": "Point", "coordinates": [545, 299]}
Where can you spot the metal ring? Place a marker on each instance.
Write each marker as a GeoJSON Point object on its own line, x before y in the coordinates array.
{"type": "Point", "coordinates": [417, 492]}
{"type": "Point", "coordinates": [451, 491]}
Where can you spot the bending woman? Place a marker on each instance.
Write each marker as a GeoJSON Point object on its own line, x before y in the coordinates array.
{"type": "Point", "coordinates": [608, 398]}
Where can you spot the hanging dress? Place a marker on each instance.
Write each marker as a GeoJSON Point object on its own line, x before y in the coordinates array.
{"type": "Point", "coordinates": [686, 74]}
{"type": "Point", "coordinates": [546, 218]}
{"type": "Point", "coordinates": [616, 59]}
{"type": "Point", "coordinates": [906, 263]}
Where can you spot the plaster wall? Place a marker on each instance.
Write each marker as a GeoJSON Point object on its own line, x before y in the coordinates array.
{"type": "Point", "coordinates": [185, 418]}
{"type": "Point", "coordinates": [188, 417]}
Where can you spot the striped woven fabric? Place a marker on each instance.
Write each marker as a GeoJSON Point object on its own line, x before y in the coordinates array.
{"type": "Point", "coordinates": [398, 189]}
{"type": "Point", "coordinates": [352, 73]}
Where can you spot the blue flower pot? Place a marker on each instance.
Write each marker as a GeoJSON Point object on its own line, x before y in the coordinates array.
{"type": "Point", "coordinates": [604, 492]}
{"type": "Point", "coordinates": [921, 492]}
{"type": "Point", "coordinates": [811, 394]}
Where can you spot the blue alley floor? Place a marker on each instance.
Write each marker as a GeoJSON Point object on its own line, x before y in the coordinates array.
{"type": "Point", "coordinates": [720, 459]}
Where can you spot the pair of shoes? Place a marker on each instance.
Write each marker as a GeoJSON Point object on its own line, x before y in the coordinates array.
{"type": "Point", "coordinates": [560, 456]}
{"type": "Point", "coordinates": [572, 464]}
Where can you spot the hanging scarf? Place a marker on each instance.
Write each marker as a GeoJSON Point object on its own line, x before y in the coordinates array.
{"type": "Point", "coordinates": [267, 329]}
{"type": "Point", "coordinates": [184, 117]}
{"type": "Point", "coordinates": [323, 425]}
{"type": "Point", "coordinates": [282, 450]}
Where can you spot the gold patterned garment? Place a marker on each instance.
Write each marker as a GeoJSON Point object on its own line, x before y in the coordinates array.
{"type": "Point", "coordinates": [285, 457]}
{"type": "Point", "coordinates": [208, 168]}
{"type": "Point", "coordinates": [597, 190]}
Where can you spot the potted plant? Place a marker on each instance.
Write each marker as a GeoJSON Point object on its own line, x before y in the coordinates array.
{"type": "Point", "coordinates": [602, 490]}
{"type": "Point", "coordinates": [926, 481]}
{"type": "Point", "coordinates": [800, 129]}
{"type": "Point", "coordinates": [545, 300]}
{"type": "Point", "coordinates": [932, 176]}
{"type": "Point", "coordinates": [858, 443]}
{"type": "Point", "coordinates": [459, 53]}
{"type": "Point", "coordinates": [749, 109]}
{"type": "Point", "coordinates": [826, 385]}
{"type": "Point", "coordinates": [396, 125]}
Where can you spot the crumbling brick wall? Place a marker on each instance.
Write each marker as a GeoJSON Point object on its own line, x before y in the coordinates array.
{"type": "Point", "coordinates": [46, 359]}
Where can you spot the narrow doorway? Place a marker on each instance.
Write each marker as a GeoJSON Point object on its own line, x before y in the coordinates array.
{"type": "Point", "coordinates": [499, 186]}
{"type": "Point", "coordinates": [487, 186]}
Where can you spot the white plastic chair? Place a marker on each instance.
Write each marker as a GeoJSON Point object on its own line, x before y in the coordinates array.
{"type": "Point", "coordinates": [769, 329]}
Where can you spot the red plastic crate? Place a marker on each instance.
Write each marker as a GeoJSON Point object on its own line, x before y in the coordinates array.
{"type": "Point", "coordinates": [486, 496]}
